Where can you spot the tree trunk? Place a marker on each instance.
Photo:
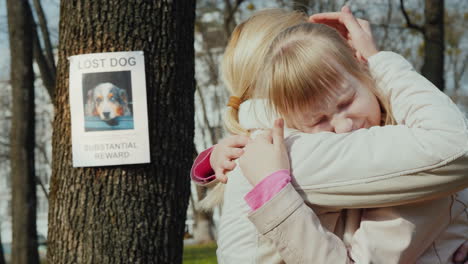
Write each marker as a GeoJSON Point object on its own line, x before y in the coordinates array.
{"type": "Point", "coordinates": [24, 246]}
{"type": "Point", "coordinates": [136, 213]}
{"type": "Point", "coordinates": [433, 67]}
{"type": "Point", "coordinates": [2, 256]}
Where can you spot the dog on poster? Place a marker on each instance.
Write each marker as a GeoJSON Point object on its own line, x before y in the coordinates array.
{"type": "Point", "coordinates": [107, 101]}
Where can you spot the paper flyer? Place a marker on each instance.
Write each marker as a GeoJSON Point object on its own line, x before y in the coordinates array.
{"type": "Point", "coordinates": [109, 114]}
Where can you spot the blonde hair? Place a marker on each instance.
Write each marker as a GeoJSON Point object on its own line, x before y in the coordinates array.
{"type": "Point", "coordinates": [245, 52]}
{"type": "Point", "coordinates": [242, 63]}
{"type": "Point", "coordinates": [304, 64]}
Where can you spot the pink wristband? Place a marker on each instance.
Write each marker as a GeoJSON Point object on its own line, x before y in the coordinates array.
{"type": "Point", "coordinates": [201, 171]}
{"type": "Point", "coordinates": [267, 188]}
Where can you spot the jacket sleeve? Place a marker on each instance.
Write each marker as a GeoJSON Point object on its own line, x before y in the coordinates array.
{"type": "Point", "coordinates": [201, 172]}
{"type": "Point", "coordinates": [296, 232]}
{"type": "Point", "coordinates": [399, 234]}
{"type": "Point", "coordinates": [423, 157]}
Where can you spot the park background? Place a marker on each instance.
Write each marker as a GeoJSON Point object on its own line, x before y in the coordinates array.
{"type": "Point", "coordinates": [400, 26]}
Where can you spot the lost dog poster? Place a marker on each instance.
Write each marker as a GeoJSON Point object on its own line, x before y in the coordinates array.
{"type": "Point", "coordinates": [108, 109]}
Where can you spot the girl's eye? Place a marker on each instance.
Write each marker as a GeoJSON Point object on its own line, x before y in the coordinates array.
{"type": "Point", "coordinates": [321, 120]}
{"type": "Point", "coordinates": [346, 103]}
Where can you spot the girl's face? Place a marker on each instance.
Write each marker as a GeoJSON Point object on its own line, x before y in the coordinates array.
{"type": "Point", "coordinates": [350, 107]}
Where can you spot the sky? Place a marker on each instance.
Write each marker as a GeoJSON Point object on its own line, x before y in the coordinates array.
{"type": "Point", "coordinates": [51, 9]}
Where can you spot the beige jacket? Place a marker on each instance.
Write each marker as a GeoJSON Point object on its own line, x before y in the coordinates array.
{"type": "Point", "coordinates": [427, 232]}
{"type": "Point", "coordinates": [424, 157]}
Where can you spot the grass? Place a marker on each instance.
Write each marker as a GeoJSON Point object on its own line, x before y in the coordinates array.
{"type": "Point", "coordinates": [193, 254]}
{"type": "Point", "coordinates": [200, 254]}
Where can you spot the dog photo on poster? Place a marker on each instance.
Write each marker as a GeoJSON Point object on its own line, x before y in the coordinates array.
{"type": "Point", "coordinates": [107, 101]}
{"type": "Point", "coordinates": [108, 109]}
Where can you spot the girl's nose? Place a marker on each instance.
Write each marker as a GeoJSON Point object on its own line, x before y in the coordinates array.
{"type": "Point", "coordinates": [342, 124]}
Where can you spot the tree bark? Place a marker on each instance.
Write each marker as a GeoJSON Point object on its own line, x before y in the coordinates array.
{"type": "Point", "coordinates": [133, 213]}
{"type": "Point", "coordinates": [433, 67]}
{"type": "Point", "coordinates": [24, 245]}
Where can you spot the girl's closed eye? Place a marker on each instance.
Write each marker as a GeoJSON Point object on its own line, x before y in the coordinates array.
{"type": "Point", "coordinates": [321, 120]}
{"type": "Point", "coordinates": [347, 102]}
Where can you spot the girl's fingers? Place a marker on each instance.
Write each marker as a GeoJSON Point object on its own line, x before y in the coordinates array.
{"type": "Point", "coordinates": [339, 27]}
{"type": "Point", "coordinates": [220, 175]}
{"type": "Point", "coordinates": [236, 141]}
{"type": "Point", "coordinates": [234, 153]}
{"type": "Point", "coordinates": [365, 25]}
{"type": "Point", "coordinates": [229, 165]}
{"type": "Point", "coordinates": [265, 136]}
{"type": "Point", "coordinates": [331, 22]}
{"type": "Point", "coordinates": [350, 22]}
{"type": "Point", "coordinates": [322, 17]}
{"type": "Point", "coordinates": [343, 21]}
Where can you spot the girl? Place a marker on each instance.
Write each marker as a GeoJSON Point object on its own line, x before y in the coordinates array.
{"type": "Point", "coordinates": [367, 183]}
{"type": "Point", "coordinates": [342, 102]}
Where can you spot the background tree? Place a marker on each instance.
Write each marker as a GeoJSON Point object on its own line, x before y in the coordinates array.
{"type": "Point", "coordinates": [4, 154]}
{"type": "Point", "coordinates": [24, 246]}
{"type": "Point", "coordinates": [434, 43]}
{"type": "Point", "coordinates": [126, 214]}
{"type": "Point", "coordinates": [212, 35]}
{"type": "Point", "coordinates": [2, 256]}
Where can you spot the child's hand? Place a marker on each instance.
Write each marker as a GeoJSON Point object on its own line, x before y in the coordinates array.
{"type": "Point", "coordinates": [356, 31]}
{"type": "Point", "coordinates": [227, 150]}
{"type": "Point", "coordinates": [265, 155]}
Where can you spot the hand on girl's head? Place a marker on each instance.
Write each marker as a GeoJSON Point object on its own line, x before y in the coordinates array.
{"type": "Point", "coordinates": [224, 153]}
{"type": "Point", "coordinates": [356, 31]}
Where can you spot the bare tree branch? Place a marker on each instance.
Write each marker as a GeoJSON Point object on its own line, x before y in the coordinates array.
{"type": "Point", "coordinates": [43, 151]}
{"type": "Point", "coordinates": [384, 39]}
{"type": "Point", "coordinates": [45, 34]}
{"type": "Point", "coordinates": [46, 68]}
{"type": "Point", "coordinates": [229, 15]}
{"type": "Point", "coordinates": [47, 74]}
{"type": "Point", "coordinates": [458, 75]}
{"type": "Point", "coordinates": [38, 181]}
{"type": "Point", "coordinates": [408, 21]}
{"type": "Point", "coordinates": [205, 116]}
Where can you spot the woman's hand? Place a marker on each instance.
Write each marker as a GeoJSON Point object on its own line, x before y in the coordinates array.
{"type": "Point", "coordinates": [265, 155]}
{"type": "Point", "coordinates": [223, 154]}
{"type": "Point", "coordinates": [461, 255]}
{"type": "Point", "coordinates": [356, 31]}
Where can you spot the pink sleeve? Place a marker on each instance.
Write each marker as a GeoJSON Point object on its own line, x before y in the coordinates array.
{"type": "Point", "coordinates": [267, 188]}
{"type": "Point", "coordinates": [201, 171]}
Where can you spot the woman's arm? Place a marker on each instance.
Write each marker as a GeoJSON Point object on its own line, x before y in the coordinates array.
{"type": "Point", "coordinates": [423, 157]}
{"type": "Point", "coordinates": [398, 234]}
{"type": "Point", "coordinates": [296, 231]}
